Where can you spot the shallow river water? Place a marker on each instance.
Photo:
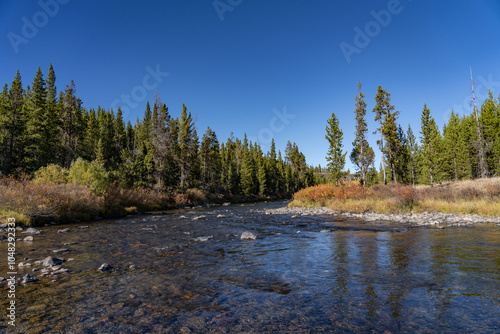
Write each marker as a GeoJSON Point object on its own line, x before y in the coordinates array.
{"type": "Point", "coordinates": [302, 274]}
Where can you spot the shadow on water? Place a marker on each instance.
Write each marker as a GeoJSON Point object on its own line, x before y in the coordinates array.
{"type": "Point", "coordinates": [304, 274]}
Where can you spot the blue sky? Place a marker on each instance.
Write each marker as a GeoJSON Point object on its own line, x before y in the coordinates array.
{"type": "Point", "coordinates": [261, 67]}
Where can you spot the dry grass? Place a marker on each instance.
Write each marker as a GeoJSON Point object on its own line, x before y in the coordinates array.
{"type": "Point", "coordinates": [480, 197]}
{"type": "Point", "coordinates": [46, 201]}
{"type": "Point", "coordinates": [40, 202]}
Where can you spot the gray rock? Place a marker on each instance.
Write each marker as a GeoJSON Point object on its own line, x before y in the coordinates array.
{"type": "Point", "coordinates": [65, 230]}
{"type": "Point", "coordinates": [226, 204]}
{"type": "Point", "coordinates": [31, 230]}
{"type": "Point", "coordinates": [50, 261]}
{"type": "Point", "coordinates": [82, 227]}
{"type": "Point", "coordinates": [29, 238]}
{"type": "Point", "coordinates": [28, 279]}
{"type": "Point", "coordinates": [247, 235]}
{"type": "Point", "coordinates": [105, 267]}
{"type": "Point", "coordinates": [60, 250]}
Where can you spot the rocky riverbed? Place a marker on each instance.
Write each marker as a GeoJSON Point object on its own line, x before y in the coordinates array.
{"type": "Point", "coordinates": [436, 219]}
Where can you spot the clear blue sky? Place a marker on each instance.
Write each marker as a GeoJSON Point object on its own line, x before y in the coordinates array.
{"type": "Point", "coordinates": [237, 65]}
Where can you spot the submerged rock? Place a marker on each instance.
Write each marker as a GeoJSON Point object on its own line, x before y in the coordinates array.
{"type": "Point", "coordinates": [247, 235]}
{"type": "Point", "coordinates": [28, 278]}
{"type": "Point", "coordinates": [31, 230]}
{"type": "Point", "coordinates": [105, 267]}
{"type": "Point", "coordinates": [203, 238]}
{"type": "Point", "coordinates": [50, 261]}
{"type": "Point", "coordinates": [60, 250]}
{"type": "Point", "coordinates": [200, 217]}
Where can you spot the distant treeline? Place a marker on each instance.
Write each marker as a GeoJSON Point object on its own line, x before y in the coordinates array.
{"type": "Point", "coordinates": [40, 126]}
{"type": "Point", "coordinates": [467, 148]}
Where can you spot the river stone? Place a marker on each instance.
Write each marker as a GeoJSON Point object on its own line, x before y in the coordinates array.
{"type": "Point", "coordinates": [32, 230]}
{"type": "Point", "coordinates": [28, 238]}
{"type": "Point", "coordinates": [60, 250]}
{"type": "Point", "coordinates": [105, 267]}
{"type": "Point", "coordinates": [226, 204]}
{"type": "Point", "coordinates": [28, 278]}
{"type": "Point", "coordinates": [50, 261]}
{"type": "Point", "coordinates": [247, 235]}
{"type": "Point", "coordinates": [65, 230]}
{"type": "Point", "coordinates": [200, 217]}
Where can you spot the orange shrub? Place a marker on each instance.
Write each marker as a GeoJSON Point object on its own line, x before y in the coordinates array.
{"type": "Point", "coordinates": [324, 192]}
{"type": "Point", "coordinates": [407, 196]}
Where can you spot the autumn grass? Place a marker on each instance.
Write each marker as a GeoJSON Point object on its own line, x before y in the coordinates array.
{"type": "Point", "coordinates": [481, 197]}
{"type": "Point", "coordinates": [34, 203]}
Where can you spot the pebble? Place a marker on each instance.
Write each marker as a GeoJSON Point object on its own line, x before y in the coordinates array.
{"type": "Point", "coordinates": [247, 235]}
{"type": "Point", "coordinates": [60, 250]}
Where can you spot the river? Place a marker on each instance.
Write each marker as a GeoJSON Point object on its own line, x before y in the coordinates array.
{"type": "Point", "coordinates": [188, 271]}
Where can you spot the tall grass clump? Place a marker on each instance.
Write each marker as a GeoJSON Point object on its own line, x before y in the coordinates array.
{"type": "Point", "coordinates": [44, 201]}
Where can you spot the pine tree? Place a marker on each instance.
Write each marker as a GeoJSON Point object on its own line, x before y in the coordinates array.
{"type": "Point", "coordinates": [71, 121]}
{"type": "Point", "coordinates": [362, 154]}
{"type": "Point", "coordinates": [387, 116]}
{"type": "Point", "coordinates": [272, 170]}
{"type": "Point", "coordinates": [490, 125]}
{"type": "Point", "coordinates": [52, 116]}
{"type": "Point", "coordinates": [210, 161]}
{"type": "Point", "coordinates": [91, 136]}
{"type": "Point", "coordinates": [36, 146]}
{"type": "Point", "coordinates": [247, 180]}
{"type": "Point", "coordinates": [412, 148]}
{"type": "Point", "coordinates": [185, 138]}
{"type": "Point", "coordinates": [380, 114]}
{"type": "Point", "coordinates": [335, 155]}
{"type": "Point", "coordinates": [431, 146]}
{"type": "Point", "coordinates": [4, 124]}
{"type": "Point", "coordinates": [403, 158]}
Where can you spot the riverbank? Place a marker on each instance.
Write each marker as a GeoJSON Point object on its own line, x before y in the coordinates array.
{"type": "Point", "coordinates": [454, 203]}
{"type": "Point", "coordinates": [35, 203]}
{"type": "Point", "coordinates": [414, 219]}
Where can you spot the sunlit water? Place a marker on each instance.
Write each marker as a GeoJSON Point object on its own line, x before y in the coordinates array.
{"type": "Point", "coordinates": [304, 274]}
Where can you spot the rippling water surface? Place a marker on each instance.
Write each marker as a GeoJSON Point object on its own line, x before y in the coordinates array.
{"type": "Point", "coordinates": [303, 274]}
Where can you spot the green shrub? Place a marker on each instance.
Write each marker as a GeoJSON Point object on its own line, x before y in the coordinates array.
{"type": "Point", "coordinates": [90, 174]}
{"type": "Point", "coordinates": [52, 173]}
